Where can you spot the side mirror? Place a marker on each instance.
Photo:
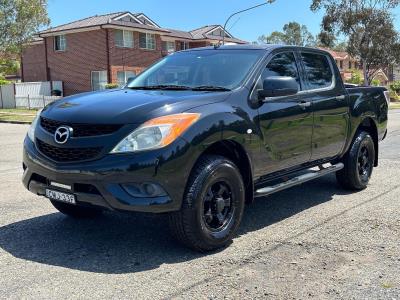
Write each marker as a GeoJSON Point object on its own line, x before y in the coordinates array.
{"type": "Point", "coordinates": [130, 79]}
{"type": "Point", "coordinates": [278, 86]}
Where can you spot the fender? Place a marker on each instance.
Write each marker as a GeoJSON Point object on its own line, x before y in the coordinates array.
{"type": "Point", "coordinates": [222, 122]}
{"type": "Point", "coordinates": [367, 108]}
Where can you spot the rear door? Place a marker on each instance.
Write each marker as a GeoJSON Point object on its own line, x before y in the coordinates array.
{"type": "Point", "coordinates": [329, 104]}
{"type": "Point", "coordinates": [285, 122]}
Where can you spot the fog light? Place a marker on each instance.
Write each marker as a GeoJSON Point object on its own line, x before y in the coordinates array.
{"type": "Point", "coordinates": [144, 190]}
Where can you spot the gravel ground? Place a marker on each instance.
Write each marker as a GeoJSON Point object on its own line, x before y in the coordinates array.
{"type": "Point", "coordinates": [313, 241]}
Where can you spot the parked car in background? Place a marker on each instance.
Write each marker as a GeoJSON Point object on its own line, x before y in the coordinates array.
{"type": "Point", "coordinates": [201, 133]}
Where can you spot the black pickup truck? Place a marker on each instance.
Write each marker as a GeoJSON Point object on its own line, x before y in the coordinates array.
{"type": "Point", "coordinates": [202, 132]}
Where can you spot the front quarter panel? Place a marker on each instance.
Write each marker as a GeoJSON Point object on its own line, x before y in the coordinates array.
{"type": "Point", "coordinates": [219, 122]}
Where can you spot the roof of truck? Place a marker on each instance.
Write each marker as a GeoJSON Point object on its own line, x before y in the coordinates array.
{"type": "Point", "coordinates": [268, 47]}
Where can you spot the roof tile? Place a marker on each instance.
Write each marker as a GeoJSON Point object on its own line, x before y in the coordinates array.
{"type": "Point", "coordinates": [107, 19]}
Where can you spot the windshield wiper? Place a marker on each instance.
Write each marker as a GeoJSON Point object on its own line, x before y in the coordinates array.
{"type": "Point", "coordinates": [210, 88]}
{"type": "Point", "coordinates": [161, 87]}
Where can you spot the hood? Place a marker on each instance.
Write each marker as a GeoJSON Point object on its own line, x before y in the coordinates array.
{"type": "Point", "coordinates": [127, 106]}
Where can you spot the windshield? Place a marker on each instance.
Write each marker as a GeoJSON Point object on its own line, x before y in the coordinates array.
{"type": "Point", "coordinates": [213, 69]}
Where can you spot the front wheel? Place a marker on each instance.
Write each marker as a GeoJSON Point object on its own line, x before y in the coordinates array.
{"type": "Point", "coordinates": [358, 163]}
{"type": "Point", "coordinates": [212, 206]}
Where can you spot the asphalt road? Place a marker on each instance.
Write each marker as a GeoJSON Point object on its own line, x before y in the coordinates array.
{"type": "Point", "coordinates": [313, 241]}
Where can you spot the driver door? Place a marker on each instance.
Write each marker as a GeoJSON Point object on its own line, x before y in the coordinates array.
{"type": "Point", "coordinates": [286, 123]}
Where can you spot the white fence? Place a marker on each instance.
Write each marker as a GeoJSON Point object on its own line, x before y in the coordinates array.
{"type": "Point", "coordinates": [29, 94]}
{"type": "Point", "coordinates": [38, 101]}
{"type": "Point", "coordinates": [37, 88]}
{"type": "Point", "coordinates": [7, 97]}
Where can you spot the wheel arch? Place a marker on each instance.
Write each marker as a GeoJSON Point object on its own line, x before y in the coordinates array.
{"type": "Point", "coordinates": [235, 152]}
{"type": "Point", "coordinates": [368, 125]}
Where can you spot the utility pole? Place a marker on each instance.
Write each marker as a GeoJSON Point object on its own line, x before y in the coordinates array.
{"type": "Point", "coordinates": [242, 11]}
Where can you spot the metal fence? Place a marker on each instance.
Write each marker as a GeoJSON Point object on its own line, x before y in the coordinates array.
{"type": "Point", "coordinates": [38, 101]}
{"type": "Point", "coordinates": [29, 94]}
{"type": "Point", "coordinates": [37, 88]}
{"type": "Point", "coordinates": [7, 97]}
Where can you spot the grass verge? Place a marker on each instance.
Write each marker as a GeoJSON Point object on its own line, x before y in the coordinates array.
{"type": "Point", "coordinates": [394, 105]}
{"type": "Point", "coordinates": [17, 115]}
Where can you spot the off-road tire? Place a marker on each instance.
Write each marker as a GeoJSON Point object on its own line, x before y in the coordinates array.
{"type": "Point", "coordinates": [351, 177]}
{"type": "Point", "coordinates": [190, 224]}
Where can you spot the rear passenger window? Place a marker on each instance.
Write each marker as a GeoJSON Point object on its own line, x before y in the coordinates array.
{"type": "Point", "coordinates": [318, 70]}
{"type": "Point", "coordinates": [283, 64]}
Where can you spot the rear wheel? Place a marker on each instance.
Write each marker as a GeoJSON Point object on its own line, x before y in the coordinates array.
{"type": "Point", "coordinates": [358, 163]}
{"type": "Point", "coordinates": [78, 212]}
{"type": "Point", "coordinates": [212, 207]}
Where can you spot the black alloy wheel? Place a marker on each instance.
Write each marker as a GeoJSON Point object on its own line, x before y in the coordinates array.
{"type": "Point", "coordinates": [217, 207]}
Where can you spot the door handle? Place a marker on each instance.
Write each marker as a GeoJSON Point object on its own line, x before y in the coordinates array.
{"type": "Point", "coordinates": [304, 104]}
{"type": "Point", "coordinates": [340, 98]}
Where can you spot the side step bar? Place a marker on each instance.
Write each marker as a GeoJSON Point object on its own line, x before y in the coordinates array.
{"type": "Point", "coordinates": [298, 180]}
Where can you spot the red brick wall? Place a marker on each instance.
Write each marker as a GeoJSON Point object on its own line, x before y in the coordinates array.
{"type": "Point", "coordinates": [86, 52]}
{"type": "Point", "coordinates": [133, 57]}
{"type": "Point", "coordinates": [198, 44]}
{"type": "Point", "coordinates": [115, 69]}
{"type": "Point", "coordinates": [34, 63]}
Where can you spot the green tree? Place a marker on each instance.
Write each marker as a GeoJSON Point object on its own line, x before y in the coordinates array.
{"type": "Point", "coordinates": [275, 37]}
{"type": "Point", "coordinates": [326, 39]}
{"type": "Point", "coordinates": [9, 66]}
{"type": "Point", "coordinates": [356, 77]}
{"type": "Point", "coordinates": [19, 21]}
{"type": "Point", "coordinates": [341, 46]}
{"type": "Point", "coordinates": [368, 25]}
{"type": "Point", "coordinates": [293, 33]}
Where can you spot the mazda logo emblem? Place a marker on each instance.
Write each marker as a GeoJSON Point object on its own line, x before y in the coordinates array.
{"type": "Point", "coordinates": [62, 134]}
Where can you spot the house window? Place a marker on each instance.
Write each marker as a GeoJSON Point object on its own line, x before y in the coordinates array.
{"type": "Point", "coordinates": [184, 45]}
{"type": "Point", "coordinates": [124, 38]}
{"type": "Point", "coordinates": [147, 41]}
{"type": "Point", "coordinates": [123, 76]}
{"type": "Point", "coordinates": [349, 64]}
{"type": "Point", "coordinates": [60, 43]}
{"type": "Point", "coordinates": [168, 46]}
{"type": "Point", "coordinates": [99, 80]}
{"type": "Point", "coordinates": [341, 64]}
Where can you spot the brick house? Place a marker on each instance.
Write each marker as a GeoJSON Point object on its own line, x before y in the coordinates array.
{"type": "Point", "coordinates": [89, 53]}
{"type": "Point", "coordinates": [346, 64]}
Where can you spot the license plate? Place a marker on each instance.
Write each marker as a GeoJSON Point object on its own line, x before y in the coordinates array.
{"type": "Point", "coordinates": [60, 196]}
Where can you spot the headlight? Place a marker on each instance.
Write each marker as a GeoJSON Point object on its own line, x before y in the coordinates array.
{"type": "Point", "coordinates": [156, 133]}
{"type": "Point", "coordinates": [31, 130]}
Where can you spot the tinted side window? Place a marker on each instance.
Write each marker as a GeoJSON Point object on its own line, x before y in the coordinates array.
{"type": "Point", "coordinates": [318, 70]}
{"type": "Point", "coordinates": [283, 64]}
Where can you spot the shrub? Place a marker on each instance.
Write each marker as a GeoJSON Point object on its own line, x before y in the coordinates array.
{"type": "Point", "coordinates": [110, 86]}
{"type": "Point", "coordinates": [375, 82]}
{"type": "Point", "coordinates": [3, 81]}
{"type": "Point", "coordinates": [395, 86]}
{"type": "Point", "coordinates": [394, 97]}
{"type": "Point", "coordinates": [356, 77]}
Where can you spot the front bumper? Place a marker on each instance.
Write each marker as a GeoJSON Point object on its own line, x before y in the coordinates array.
{"type": "Point", "coordinates": [99, 182]}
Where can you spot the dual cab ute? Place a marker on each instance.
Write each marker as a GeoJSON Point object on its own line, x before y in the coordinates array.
{"type": "Point", "coordinates": [202, 132]}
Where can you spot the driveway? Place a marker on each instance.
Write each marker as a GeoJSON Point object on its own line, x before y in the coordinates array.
{"type": "Point", "coordinates": [313, 241]}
